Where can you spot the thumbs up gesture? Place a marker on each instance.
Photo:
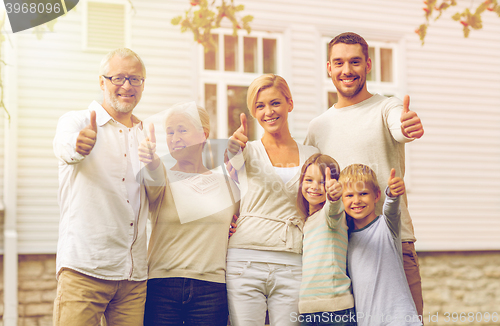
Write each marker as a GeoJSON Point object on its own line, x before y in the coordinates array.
{"type": "Point", "coordinates": [410, 122]}
{"type": "Point", "coordinates": [87, 137]}
{"type": "Point", "coordinates": [239, 138]}
{"type": "Point", "coordinates": [147, 150]}
{"type": "Point", "coordinates": [396, 185]}
{"type": "Point", "coordinates": [333, 187]}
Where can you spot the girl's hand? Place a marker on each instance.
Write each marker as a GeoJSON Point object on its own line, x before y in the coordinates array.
{"type": "Point", "coordinates": [232, 227]}
{"type": "Point", "coordinates": [332, 187]}
{"type": "Point", "coordinates": [396, 185]}
{"type": "Point", "coordinates": [147, 150]}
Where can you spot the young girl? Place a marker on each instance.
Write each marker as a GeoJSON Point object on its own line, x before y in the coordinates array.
{"type": "Point", "coordinates": [325, 292]}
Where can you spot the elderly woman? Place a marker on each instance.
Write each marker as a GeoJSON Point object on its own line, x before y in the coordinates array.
{"type": "Point", "coordinates": [192, 208]}
{"type": "Point", "coordinates": [264, 262]}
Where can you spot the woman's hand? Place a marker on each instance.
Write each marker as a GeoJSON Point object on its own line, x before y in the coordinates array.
{"type": "Point", "coordinates": [147, 150]}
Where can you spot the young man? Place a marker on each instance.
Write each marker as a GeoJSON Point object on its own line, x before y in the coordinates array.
{"type": "Point", "coordinates": [381, 292]}
{"type": "Point", "coordinates": [101, 253]}
{"type": "Point", "coordinates": [368, 129]}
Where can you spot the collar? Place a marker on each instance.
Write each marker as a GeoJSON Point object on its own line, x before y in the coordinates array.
{"type": "Point", "coordinates": [103, 117]}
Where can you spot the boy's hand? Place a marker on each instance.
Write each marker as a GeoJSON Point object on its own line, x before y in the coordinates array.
{"type": "Point", "coordinates": [411, 126]}
{"type": "Point", "coordinates": [332, 187]}
{"type": "Point", "coordinates": [147, 150]}
{"type": "Point", "coordinates": [239, 138]}
{"type": "Point", "coordinates": [87, 137]}
{"type": "Point", "coordinates": [396, 185]}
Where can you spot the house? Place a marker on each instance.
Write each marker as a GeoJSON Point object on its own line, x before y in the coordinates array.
{"type": "Point", "coordinates": [453, 172]}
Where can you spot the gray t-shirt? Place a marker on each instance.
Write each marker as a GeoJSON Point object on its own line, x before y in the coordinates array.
{"type": "Point", "coordinates": [381, 292]}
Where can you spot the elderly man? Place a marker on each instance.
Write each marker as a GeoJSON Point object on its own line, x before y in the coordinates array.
{"type": "Point", "coordinates": [101, 253]}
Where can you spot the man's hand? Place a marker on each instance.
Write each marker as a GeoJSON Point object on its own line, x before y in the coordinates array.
{"type": "Point", "coordinates": [332, 187]}
{"type": "Point", "coordinates": [147, 150]}
{"type": "Point", "coordinates": [396, 185]}
{"type": "Point", "coordinates": [239, 138]}
{"type": "Point", "coordinates": [411, 126]}
{"type": "Point", "coordinates": [87, 137]}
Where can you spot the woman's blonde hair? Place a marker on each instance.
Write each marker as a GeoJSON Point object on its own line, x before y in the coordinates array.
{"type": "Point", "coordinates": [264, 82]}
{"type": "Point", "coordinates": [322, 161]}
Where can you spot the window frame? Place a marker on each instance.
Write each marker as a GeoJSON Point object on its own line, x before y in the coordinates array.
{"type": "Point", "coordinates": [126, 28]}
{"type": "Point", "coordinates": [223, 78]}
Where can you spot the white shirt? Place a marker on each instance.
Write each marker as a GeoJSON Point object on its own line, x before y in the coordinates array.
{"type": "Point", "coordinates": [102, 230]}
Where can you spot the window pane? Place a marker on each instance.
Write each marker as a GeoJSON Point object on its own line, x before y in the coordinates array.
{"type": "Point", "coordinates": [371, 54]}
{"type": "Point", "coordinates": [332, 99]}
{"type": "Point", "coordinates": [250, 53]}
{"type": "Point", "coordinates": [211, 107]}
{"type": "Point", "coordinates": [236, 104]}
{"type": "Point", "coordinates": [211, 62]}
{"type": "Point", "coordinates": [269, 49]}
{"type": "Point", "coordinates": [230, 52]}
{"type": "Point", "coordinates": [386, 65]}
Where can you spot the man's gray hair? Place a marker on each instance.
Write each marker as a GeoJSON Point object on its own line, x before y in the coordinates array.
{"type": "Point", "coordinates": [122, 53]}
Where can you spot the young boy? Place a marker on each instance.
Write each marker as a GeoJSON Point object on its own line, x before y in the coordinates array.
{"type": "Point", "coordinates": [381, 292]}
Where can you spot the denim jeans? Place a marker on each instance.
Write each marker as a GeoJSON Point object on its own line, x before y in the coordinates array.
{"type": "Point", "coordinates": [338, 318]}
{"type": "Point", "coordinates": [184, 301]}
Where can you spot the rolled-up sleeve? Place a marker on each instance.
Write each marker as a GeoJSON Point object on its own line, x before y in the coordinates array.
{"type": "Point", "coordinates": [68, 129]}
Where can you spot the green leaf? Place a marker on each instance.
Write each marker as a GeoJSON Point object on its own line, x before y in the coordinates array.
{"type": "Point", "coordinates": [239, 8]}
{"type": "Point", "coordinates": [456, 17]}
{"type": "Point", "coordinates": [466, 31]}
{"type": "Point", "coordinates": [50, 24]}
{"type": "Point", "coordinates": [247, 19]}
{"type": "Point", "coordinates": [176, 20]}
{"type": "Point", "coordinates": [481, 8]}
{"type": "Point", "coordinates": [38, 31]}
{"type": "Point", "coordinates": [475, 21]}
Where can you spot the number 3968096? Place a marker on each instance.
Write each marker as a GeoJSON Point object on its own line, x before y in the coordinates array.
{"type": "Point", "coordinates": [34, 8]}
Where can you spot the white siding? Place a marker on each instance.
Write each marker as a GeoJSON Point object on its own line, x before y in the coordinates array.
{"type": "Point", "coordinates": [454, 83]}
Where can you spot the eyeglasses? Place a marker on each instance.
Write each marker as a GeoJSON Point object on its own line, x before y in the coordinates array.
{"type": "Point", "coordinates": [120, 80]}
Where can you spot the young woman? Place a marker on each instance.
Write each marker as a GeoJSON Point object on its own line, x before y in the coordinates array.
{"type": "Point", "coordinates": [264, 262]}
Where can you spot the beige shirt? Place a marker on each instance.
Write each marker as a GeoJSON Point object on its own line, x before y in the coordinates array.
{"type": "Point", "coordinates": [195, 244]}
{"type": "Point", "coordinates": [269, 219]}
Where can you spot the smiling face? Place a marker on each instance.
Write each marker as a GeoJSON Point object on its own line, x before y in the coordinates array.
{"type": "Point", "coordinates": [271, 110]}
{"type": "Point", "coordinates": [184, 140]}
{"type": "Point", "coordinates": [359, 203]}
{"type": "Point", "coordinates": [348, 68]}
{"type": "Point", "coordinates": [122, 99]}
{"type": "Point", "coordinates": [313, 188]}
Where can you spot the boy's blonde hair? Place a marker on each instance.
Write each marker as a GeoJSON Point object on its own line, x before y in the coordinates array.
{"type": "Point", "coordinates": [359, 176]}
{"type": "Point", "coordinates": [323, 161]}
{"type": "Point", "coordinates": [264, 82]}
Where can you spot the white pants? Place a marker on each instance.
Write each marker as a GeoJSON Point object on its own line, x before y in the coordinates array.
{"type": "Point", "coordinates": [253, 288]}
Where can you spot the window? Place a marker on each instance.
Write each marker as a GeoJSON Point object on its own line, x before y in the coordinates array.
{"type": "Point", "coordinates": [227, 71]}
{"type": "Point", "coordinates": [382, 78]}
{"type": "Point", "coordinates": [106, 25]}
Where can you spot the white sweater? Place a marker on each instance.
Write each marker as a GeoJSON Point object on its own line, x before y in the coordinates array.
{"type": "Point", "coordinates": [367, 133]}
{"type": "Point", "coordinates": [268, 219]}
